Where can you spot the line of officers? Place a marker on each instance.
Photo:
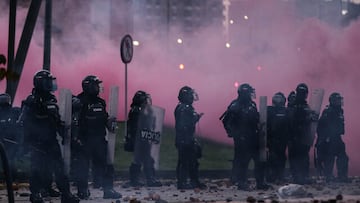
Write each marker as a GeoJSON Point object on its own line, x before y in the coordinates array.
{"type": "Point", "coordinates": [288, 128]}
{"type": "Point", "coordinates": [36, 130]}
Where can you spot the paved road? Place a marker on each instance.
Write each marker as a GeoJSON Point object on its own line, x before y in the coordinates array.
{"type": "Point", "coordinates": [217, 191]}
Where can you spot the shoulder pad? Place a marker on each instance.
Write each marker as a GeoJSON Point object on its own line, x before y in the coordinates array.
{"type": "Point", "coordinates": [102, 101]}
{"type": "Point", "coordinates": [253, 104]}
{"type": "Point", "coordinates": [29, 100]}
{"type": "Point", "coordinates": [183, 107]}
{"type": "Point", "coordinates": [135, 109]}
{"type": "Point", "coordinates": [52, 98]}
{"type": "Point", "coordinates": [234, 105]}
{"type": "Point", "coordinates": [16, 110]}
{"type": "Point", "coordinates": [76, 103]}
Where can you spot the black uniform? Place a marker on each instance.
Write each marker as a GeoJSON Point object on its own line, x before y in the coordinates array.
{"type": "Point", "coordinates": [141, 148]}
{"type": "Point", "coordinates": [241, 122]}
{"type": "Point", "coordinates": [329, 143]}
{"type": "Point", "coordinates": [300, 139]}
{"type": "Point", "coordinates": [185, 142]}
{"type": "Point", "coordinates": [277, 137]}
{"type": "Point", "coordinates": [41, 125]}
{"type": "Point", "coordinates": [10, 130]}
{"type": "Point", "coordinates": [91, 142]}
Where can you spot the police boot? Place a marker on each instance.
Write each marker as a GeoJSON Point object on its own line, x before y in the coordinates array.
{"type": "Point", "coordinates": [152, 182]}
{"type": "Point", "coordinates": [134, 172]}
{"type": "Point", "coordinates": [111, 194]}
{"type": "Point", "coordinates": [184, 186]}
{"type": "Point", "coordinates": [197, 184]}
{"type": "Point", "coordinates": [243, 185]}
{"type": "Point", "coordinates": [83, 194]}
{"type": "Point", "coordinates": [181, 173]}
{"type": "Point", "coordinates": [50, 193]}
{"type": "Point", "coordinates": [83, 191]}
{"type": "Point", "coordinates": [69, 198]}
{"type": "Point", "coordinates": [342, 168]}
{"type": "Point", "coordinates": [194, 176]}
{"type": "Point", "coordinates": [97, 177]}
{"type": "Point", "coordinates": [97, 182]}
{"type": "Point", "coordinates": [262, 186]}
{"type": "Point", "coordinates": [150, 178]}
{"type": "Point", "coordinates": [36, 198]}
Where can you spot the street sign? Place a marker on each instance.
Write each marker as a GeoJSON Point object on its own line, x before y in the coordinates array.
{"type": "Point", "coordinates": [126, 49]}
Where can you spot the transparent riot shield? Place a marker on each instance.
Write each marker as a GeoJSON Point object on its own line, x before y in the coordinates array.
{"type": "Point", "coordinates": [65, 113]}
{"type": "Point", "coordinates": [316, 99]}
{"type": "Point", "coordinates": [263, 128]}
{"type": "Point", "coordinates": [113, 111]}
{"type": "Point", "coordinates": [148, 136]}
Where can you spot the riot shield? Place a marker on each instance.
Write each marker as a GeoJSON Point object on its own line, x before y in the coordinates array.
{"type": "Point", "coordinates": [113, 111]}
{"type": "Point", "coordinates": [315, 103]}
{"type": "Point", "coordinates": [263, 128]}
{"type": "Point", "coordinates": [65, 109]}
{"type": "Point", "coordinates": [148, 136]}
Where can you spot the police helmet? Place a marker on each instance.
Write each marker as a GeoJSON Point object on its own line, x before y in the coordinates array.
{"type": "Point", "coordinates": [302, 91]}
{"type": "Point", "coordinates": [291, 98]}
{"type": "Point", "coordinates": [44, 81]}
{"type": "Point", "coordinates": [5, 99]}
{"type": "Point", "coordinates": [140, 98]}
{"type": "Point", "coordinates": [246, 91]}
{"type": "Point", "coordinates": [335, 99]}
{"type": "Point", "coordinates": [91, 85]}
{"type": "Point", "coordinates": [278, 99]}
{"type": "Point", "coordinates": [187, 95]}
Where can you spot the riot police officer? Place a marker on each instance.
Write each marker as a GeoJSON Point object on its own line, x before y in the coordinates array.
{"type": "Point", "coordinates": [10, 129]}
{"type": "Point", "coordinates": [188, 150]}
{"type": "Point", "coordinates": [141, 148]}
{"type": "Point", "coordinates": [300, 140]}
{"type": "Point", "coordinates": [241, 122]}
{"type": "Point", "coordinates": [91, 143]}
{"type": "Point", "coordinates": [277, 137]}
{"type": "Point", "coordinates": [329, 142]}
{"type": "Point", "coordinates": [41, 125]}
{"type": "Point", "coordinates": [291, 99]}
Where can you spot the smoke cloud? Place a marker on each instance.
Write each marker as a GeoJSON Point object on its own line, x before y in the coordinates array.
{"type": "Point", "coordinates": [273, 50]}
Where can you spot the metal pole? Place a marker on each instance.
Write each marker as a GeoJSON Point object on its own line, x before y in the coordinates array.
{"type": "Point", "coordinates": [23, 46]}
{"type": "Point", "coordinates": [126, 89]}
{"type": "Point", "coordinates": [47, 35]}
{"type": "Point", "coordinates": [11, 40]}
{"type": "Point", "coordinates": [11, 37]}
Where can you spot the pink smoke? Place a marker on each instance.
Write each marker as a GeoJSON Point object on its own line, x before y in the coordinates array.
{"type": "Point", "coordinates": [273, 50]}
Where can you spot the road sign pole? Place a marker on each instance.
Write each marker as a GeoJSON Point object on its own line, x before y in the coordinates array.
{"type": "Point", "coordinates": [126, 53]}
{"type": "Point", "coordinates": [126, 91]}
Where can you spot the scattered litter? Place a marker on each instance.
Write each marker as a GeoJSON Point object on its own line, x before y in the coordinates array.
{"type": "Point", "coordinates": [292, 191]}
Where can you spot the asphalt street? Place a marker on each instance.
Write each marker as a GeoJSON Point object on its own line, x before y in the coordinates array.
{"type": "Point", "coordinates": [219, 190]}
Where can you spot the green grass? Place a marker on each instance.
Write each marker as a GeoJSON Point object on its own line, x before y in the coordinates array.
{"type": "Point", "coordinates": [216, 156]}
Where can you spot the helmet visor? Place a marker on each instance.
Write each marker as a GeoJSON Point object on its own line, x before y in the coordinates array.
{"type": "Point", "coordinates": [148, 99]}
{"type": "Point", "coordinates": [278, 100]}
{"type": "Point", "coordinates": [101, 87]}
{"type": "Point", "coordinates": [195, 95]}
{"type": "Point", "coordinates": [253, 94]}
{"type": "Point", "coordinates": [49, 84]}
{"type": "Point", "coordinates": [338, 101]}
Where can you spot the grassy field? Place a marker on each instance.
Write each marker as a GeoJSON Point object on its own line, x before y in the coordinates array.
{"type": "Point", "coordinates": [216, 156]}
